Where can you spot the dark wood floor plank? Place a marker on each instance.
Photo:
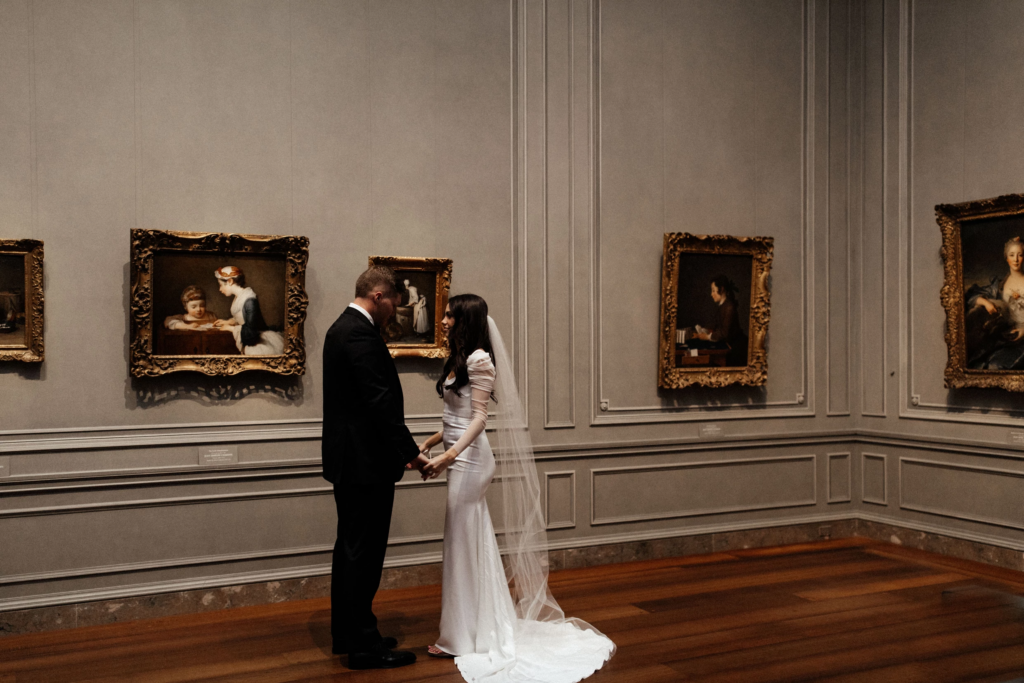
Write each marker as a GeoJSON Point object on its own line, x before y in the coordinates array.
{"type": "Point", "coordinates": [726, 642]}
{"type": "Point", "coordinates": [849, 611]}
{"type": "Point", "coordinates": [984, 666]}
{"type": "Point", "coordinates": [811, 659]}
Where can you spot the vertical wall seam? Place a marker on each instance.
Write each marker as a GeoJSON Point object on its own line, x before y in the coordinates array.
{"type": "Point", "coordinates": [291, 112]}
{"type": "Point", "coordinates": [33, 123]}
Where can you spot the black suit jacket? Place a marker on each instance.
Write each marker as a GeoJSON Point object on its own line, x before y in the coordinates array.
{"type": "Point", "coordinates": [364, 434]}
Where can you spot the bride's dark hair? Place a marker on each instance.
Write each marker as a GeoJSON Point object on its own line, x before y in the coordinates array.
{"type": "Point", "coordinates": [467, 334]}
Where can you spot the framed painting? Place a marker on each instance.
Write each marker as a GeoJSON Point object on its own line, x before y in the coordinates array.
{"type": "Point", "coordinates": [983, 292]}
{"type": "Point", "coordinates": [714, 310]}
{"type": "Point", "coordinates": [217, 303]}
{"type": "Point", "coordinates": [415, 329]}
{"type": "Point", "coordinates": [21, 301]}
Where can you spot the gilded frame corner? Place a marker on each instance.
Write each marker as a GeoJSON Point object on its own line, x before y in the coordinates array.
{"type": "Point", "coordinates": [146, 243]}
{"type": "Point", "coordinates": [755, 373]}
{"type": "Point", "coordinates": [951, 219]}
{"type": "Point", "coordinates": [33, 350]}
{"type": "Point", "coordinates": [442, 269]}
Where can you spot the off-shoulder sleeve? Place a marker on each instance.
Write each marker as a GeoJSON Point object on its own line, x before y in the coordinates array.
{"type": "Point", "coordinates": [481, 381]}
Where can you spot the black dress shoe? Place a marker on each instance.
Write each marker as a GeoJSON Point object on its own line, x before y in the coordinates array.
{"type": "Point", "coordinates": [388, 642]}
{"type": "Point", "coordinates": [381, 658]}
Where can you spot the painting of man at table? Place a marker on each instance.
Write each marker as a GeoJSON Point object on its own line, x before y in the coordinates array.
{"type": "Point", "coordinates": [12, 299]}
{"type": "Point", "coordinates": [224, 304]}
{"type": "Point", "coordinates": [713, 317]}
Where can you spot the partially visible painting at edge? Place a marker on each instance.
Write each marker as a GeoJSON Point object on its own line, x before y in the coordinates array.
{"type": "Point", "coordinates": [21, 301]}
{"type": "Point", "coordinates": [983, 292]}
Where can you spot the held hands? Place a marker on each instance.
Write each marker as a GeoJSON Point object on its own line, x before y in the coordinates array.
{"type": "Point", "coordinates": [418, 462]}
{"type": "Point", "coordinates": [435, 466]}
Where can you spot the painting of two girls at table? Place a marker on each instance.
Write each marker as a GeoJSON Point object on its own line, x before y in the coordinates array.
{"type": "Point", "coordinates": [240, 294]}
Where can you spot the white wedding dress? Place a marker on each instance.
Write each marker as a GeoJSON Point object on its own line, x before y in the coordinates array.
{"type": "Point", "coordinates": [479, 621]}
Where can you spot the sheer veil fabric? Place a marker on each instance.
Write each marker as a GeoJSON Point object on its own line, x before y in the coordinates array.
{"type": "Point", "coordinates": [541, 643]}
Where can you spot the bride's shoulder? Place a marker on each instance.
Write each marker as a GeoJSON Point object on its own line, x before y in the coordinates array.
{"type": "Point", "coordinates": [479, 359]}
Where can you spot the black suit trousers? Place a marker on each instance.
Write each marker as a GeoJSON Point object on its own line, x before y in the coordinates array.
{"type": "Point", "coordinates": [364, 518]}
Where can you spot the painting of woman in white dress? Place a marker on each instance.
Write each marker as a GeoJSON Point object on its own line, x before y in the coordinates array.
{"type": "Point", "coordinates": [994, 313]}
{"type": "Point", "coordinates": [252, 335]}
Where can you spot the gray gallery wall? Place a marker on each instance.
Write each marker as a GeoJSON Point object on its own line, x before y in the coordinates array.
{"type": "Point", "coordinates": [943, 123]}
{"type": "Point", "coordinates": [545, 147]}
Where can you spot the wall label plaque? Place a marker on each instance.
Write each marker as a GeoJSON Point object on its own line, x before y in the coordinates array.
{"type": "Point", "coordinates": [1015, 438]}
{"type": "Point", "coordinates": [218, 455]}
{"type": "Point", "coordinates": [710, 431]}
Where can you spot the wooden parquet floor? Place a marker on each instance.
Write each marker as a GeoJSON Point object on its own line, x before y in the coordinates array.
{"type": "Point", "coordinates": [845, 611]}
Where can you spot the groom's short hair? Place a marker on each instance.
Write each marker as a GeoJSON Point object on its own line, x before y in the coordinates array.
{"type": "Point", "coordinates": [374, 277]}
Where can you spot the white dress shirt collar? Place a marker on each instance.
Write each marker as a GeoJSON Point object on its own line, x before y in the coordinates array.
{"type": "Point", "coordinates": [364, 312]}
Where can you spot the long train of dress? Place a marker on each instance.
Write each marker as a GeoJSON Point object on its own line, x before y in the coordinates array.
{"type": "Point", "coordinates": [478, 618]}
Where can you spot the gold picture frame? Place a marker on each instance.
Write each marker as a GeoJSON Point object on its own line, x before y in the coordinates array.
{"type": "Point", "coordinates": [702, 341]}
{"type": "Point", "coordinates": [983, 350]}
{"type": "Point", "coordinates": [415, 329]}
{"type": "Point", "coordinates": [21, 301]}
{"type": "Point", "coordinates": [167, 267]}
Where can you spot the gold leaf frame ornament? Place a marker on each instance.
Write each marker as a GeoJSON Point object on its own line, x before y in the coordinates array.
{"type": "Point", "coordinates": [442, 269]}
{"type": "Point", "coordinates": [32, 350]}
{"type": "Point", "coordinates": [145, 244]}
{"type": "Point", "coordinates": [952, 218]}
{"type": "Point", "coordinates": [755, 372]}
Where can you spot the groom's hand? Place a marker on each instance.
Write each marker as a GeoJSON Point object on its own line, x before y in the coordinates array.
{"type": "Point", "coordinates": [418, 463]}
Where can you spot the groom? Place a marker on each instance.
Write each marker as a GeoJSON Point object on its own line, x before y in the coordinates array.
{"type": "Point", "coordinates": [365, 449]}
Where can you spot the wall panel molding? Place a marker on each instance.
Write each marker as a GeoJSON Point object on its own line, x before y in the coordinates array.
{"type": "Point", "coordinates": [603, 409]}
{"type": "Point", "coordinates": [874, 465]}
{"type": "Point", "coordinates": [839, 214]}
{"type": "Point", "coordinates": [403, 560]}
{"type": "Point", "coordinates": [570, 478]}
{"type": "Point", "coordinates": [979, 494]}
{"type": "Point", "coordinates": [839, 477]}
{"type": "Point", "coordinates": [796, 500]}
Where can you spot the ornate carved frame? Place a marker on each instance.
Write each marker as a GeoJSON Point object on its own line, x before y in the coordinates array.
{"type": "Point", "coordinates": [145, 243]}
{"type": "Point", "coordinates": [755, 373]}
{"type": "Point", "coordinates": [442, 269]}
{"type": "Point", "coordinates": [32, 350]}
{"type": "Point", "coordinates": [951, 218]}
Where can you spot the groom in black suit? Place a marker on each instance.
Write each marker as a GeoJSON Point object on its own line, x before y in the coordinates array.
{"type": "Point", "coordinates": [365, 449]}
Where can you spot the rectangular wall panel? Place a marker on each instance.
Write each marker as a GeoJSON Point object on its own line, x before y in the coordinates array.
{"type": "Point", "coordinates": [631, 494]}
{"type": "Point", "coordinates": [560, 499]}
{"type": "Point", "coordinates": [977, 494]}
{"type": "Point", "coordinates": [839, 477]}
{"type": "Point", "coordinates": [873, 479]}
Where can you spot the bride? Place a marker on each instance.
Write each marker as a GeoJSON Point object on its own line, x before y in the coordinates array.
{"type": "Point", "coordinates": [497, 630]}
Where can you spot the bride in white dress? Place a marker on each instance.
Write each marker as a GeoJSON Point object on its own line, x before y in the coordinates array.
{"type": "Point", "coordinates": [500, 625]}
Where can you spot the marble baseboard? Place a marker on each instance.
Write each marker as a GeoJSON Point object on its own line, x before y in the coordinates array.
{"type": "Point", "coordinates": [245, 595]}
{"type": "Point", "coordinates": [943, 545]}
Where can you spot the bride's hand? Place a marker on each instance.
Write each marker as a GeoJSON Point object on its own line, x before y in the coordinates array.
{"type": "Point", "coordinates": [435, 466]}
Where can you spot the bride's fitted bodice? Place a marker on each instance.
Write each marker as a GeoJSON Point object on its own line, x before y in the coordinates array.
{"type": "Point", "coordinates": [458, 408]}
